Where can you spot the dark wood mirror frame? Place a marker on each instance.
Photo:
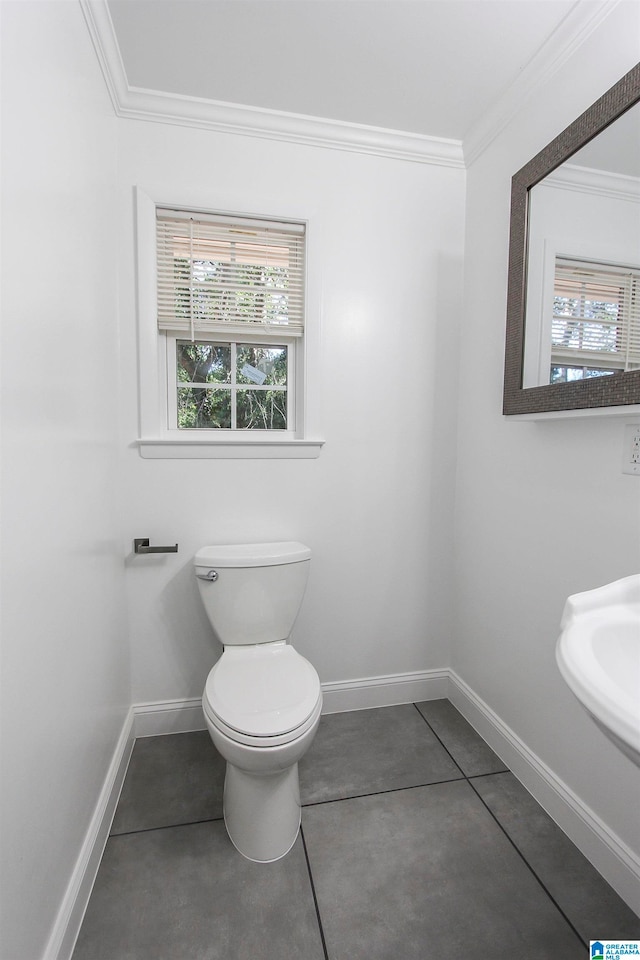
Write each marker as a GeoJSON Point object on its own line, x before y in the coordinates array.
{"type": "Point", "coordinates": [618, 389]}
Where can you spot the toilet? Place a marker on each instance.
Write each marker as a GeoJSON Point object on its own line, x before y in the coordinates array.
{"type": "Point", "coordinates": [262, 699]}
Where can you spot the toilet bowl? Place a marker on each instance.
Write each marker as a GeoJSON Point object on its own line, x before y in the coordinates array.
{"type": "Point", "coordinates": [262, 699]}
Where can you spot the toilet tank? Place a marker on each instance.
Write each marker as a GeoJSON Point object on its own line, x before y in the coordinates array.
{"type": "Point", "coordinates": [252, 591]}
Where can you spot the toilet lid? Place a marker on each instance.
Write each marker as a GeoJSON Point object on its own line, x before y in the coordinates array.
{"type": "Point", "coordinates": [264, 690]}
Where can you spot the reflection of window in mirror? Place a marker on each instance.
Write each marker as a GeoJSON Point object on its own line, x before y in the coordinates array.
{"type": "Point", "coordinates": [589, 222]}
{"type": "Point", "coordinates": [595, 320]}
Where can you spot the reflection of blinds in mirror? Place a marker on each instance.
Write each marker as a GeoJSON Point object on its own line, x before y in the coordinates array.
{"type": "Point", "coordinates": [596, 316]}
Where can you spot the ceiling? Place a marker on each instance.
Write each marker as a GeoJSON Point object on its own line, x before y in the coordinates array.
{"type": "Point", "coordinates": [427, 67]}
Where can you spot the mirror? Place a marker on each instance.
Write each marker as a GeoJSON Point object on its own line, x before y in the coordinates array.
{"type": "Point", "coordinates": [573, 300]}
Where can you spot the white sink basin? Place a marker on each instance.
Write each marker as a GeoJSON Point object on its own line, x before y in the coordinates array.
{"type": "Point", "coordinates": [598, 653]}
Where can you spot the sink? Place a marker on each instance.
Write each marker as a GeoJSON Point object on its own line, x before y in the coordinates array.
{"type": "Point", "coordinates": [598, 653]}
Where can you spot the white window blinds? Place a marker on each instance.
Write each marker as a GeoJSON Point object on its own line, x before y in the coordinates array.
{"type": "Point", "coordinates": [229, 274]}
{"type": "Point", "coordinates": [596, 315]}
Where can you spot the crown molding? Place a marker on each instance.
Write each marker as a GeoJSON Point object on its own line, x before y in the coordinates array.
{"type": "Point", "coordinates": [247, 121]}
{"type": "Point", "coordinates": [614, 186]}
{"type": "Point", "coordinates": [569, 35]}
{"type": "Point", "coordinates": [103, 36]}
{"type": "Point", "coordinates": [135, 103]}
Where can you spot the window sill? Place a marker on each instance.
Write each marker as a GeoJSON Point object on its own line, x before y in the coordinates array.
{"type": "Point", "coordinates": [187, 449]}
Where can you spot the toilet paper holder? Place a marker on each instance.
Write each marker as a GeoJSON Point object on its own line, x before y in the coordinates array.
{"type": "Point", "coordinates": [141, 545]}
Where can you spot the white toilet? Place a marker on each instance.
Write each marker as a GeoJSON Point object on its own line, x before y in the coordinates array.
{"type": "Point", "coordinates": [262, 700]}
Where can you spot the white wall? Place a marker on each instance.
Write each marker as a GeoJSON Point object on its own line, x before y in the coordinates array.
{"type": "Point", "coordinates": [376, 507]}
{"type": "Point", "coordinates": [65, 673]}
{"type": "Point", "coordinates": [542, 509]}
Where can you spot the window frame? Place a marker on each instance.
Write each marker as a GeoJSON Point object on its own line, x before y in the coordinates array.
{"type": "Point", "coordinates": [157, 438]}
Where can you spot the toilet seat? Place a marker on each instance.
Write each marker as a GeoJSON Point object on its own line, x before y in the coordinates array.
{"type": "Point", "coordinates": [263, 743]}
{"type": "Point", "coordinates": [263, 695]}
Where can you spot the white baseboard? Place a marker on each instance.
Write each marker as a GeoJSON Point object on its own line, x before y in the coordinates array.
{"type": "Point", "coordinates": [74, 903]}
{"type": "Point", "coordinates": [617, 863]}
{"type": "Point", "coordinates": [167, 716]}
{"type": "Point", "coordinates": [611, 857]}
{"type": "Point", "coordinates": [182, 716]}
{"type": "Point", "coordinates": [345, 695]}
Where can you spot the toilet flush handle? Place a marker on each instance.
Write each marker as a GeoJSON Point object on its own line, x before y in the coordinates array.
{"type": "Point", "coordinates": [210, 575]}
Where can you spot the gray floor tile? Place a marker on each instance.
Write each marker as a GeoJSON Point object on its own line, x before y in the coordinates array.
{"type": "Point", "coordinates": [424, 871]}
{"type": "Point", "coordinates": [184, 893]}
{"type": "Point", "coordinates": [171, 780]}
{"type": "Point", "coordinates": [468, 749]}
{"type": "Point", "coordinates": [594, 908]}
{"type": "Point", "coordinates": [427, 873]}
{"type": "Point", "coordinates": [371, 750]}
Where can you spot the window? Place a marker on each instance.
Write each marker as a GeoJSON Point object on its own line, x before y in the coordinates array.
{"type": "Point", "coordinates": [231, 386]}
{"type": "Point", "coordinates": [235, 286]}
{"type": "Point", "coordinates": [595, 327]}
{"type": "Point", "coordinates": [222, 334]}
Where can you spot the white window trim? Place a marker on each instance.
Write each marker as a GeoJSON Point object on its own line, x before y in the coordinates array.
{"type": "Point", "coordinates": [157, 440]}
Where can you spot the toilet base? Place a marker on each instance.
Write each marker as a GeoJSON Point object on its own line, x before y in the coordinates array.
{"type": "Point", "coordinates": [262, 812]}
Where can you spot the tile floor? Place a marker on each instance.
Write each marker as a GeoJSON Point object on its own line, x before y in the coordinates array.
{"type": "Point", "coordinates": [416, 843]}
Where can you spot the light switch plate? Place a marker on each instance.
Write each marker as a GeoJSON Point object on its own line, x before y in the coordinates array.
{"type": "Point", "coordinates": [631, 451]}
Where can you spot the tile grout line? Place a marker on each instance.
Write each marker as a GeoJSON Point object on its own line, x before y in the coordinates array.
{"type": "Point", "coordinates": [313, 893]}
{"type": "Point", "coordinates": [165, 826]}
{"type": "Point", "coordinates": [378, 793]}
{"type": "Point", "coordinates": [504, 831]}
{"type": "Point", "coordinates": [443, 745]}
{"type": "Point", "coordinates": [529, 867]}
{"type": "Point", "coordinates": [304, 805]}
{"type": "Point", "coordinates": [315, 803]}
